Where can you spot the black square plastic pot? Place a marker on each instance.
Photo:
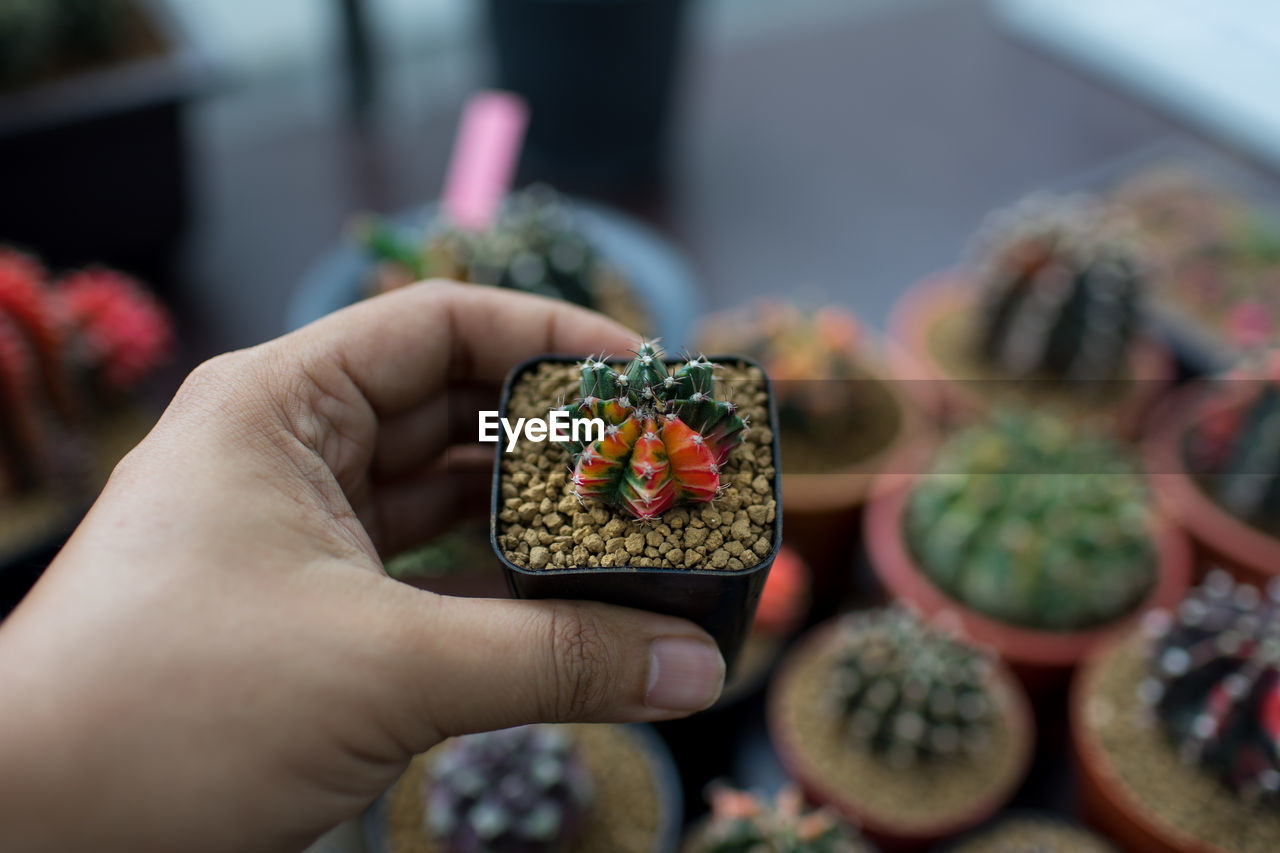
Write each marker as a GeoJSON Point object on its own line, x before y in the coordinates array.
{"type": "Point", "coordinates": [723, 603]}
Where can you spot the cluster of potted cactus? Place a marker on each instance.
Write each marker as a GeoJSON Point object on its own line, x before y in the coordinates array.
{"type": "Point", "coordinates": [73, 352]}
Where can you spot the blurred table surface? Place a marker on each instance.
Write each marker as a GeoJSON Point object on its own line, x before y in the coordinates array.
{"type": "Point", "coordinates": [839, 161]}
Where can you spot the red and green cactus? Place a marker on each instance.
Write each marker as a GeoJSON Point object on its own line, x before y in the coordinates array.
{"type": "Point", "coordinates": [665, 439]}
{"type": "Point", "coordinates": [126, 332]}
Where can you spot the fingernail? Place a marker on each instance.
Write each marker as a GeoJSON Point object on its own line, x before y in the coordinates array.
{"type": "Point", "coordinates": [685, 674]}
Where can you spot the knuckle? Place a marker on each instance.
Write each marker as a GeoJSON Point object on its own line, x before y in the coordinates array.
{"type": "Point", "coordinates": [584, 660]}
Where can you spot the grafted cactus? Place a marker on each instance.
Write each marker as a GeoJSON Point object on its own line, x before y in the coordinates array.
{"type": "Point", "coordinates": [1062, 286]}
{"type": "Point", "coordinates": [908, 691]}
{"type": "Point", "coordinates": [521, 790]}
{"type": "Point", "coordinates": [742, 822]}
{"type": "Point", "coordinates": [1214, 682]}
{"type": "Point", "coordinates": [1236, 451]}
{"type": "Point", "coordinates": [665, 435]}
{"type": "Point", "coordinates": [1032, 522]}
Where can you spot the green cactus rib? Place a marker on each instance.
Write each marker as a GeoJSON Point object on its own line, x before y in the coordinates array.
{"type": "Point", "coordinates": [1214, 683]}
{"type": "Point", "coordinates": [909, 692]}
{"type": "Point", "coordinates": [1062, 290]}
{"type": "Point", "coordinates": [666, 436]}
{"type": "Point", "coordinates": [1031, 523]}
{"type": "Point", "coordinates": [521, 790]}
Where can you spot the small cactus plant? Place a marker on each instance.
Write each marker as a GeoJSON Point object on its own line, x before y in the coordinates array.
{"type": "Point", "coordinates": [1214, 682]}
{"type": "Point", "coordinates": [1031, 522]}
{"type": "Point", "coordinates": [665, 435]}
{"type": "Point", "coordinates": [742, 822]}
{"type": "Point", "coordinates": [1062, 287]}
{"type": "Point", "coordinates": [521, 790]}
{"type": "Point", "coordinates": [908, 691]}
{"type": "Point", "coordinates": [533, 247]}
{"type": "Point", "coordinates": [1235, 451]}
{"type": "Point", "coordinates": [812, 355]}
{"type": "Point", "coordinates": [55, 340]}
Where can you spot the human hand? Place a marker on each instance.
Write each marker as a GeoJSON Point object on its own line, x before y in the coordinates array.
{"type": "Point", "coordinates": [217, 661]}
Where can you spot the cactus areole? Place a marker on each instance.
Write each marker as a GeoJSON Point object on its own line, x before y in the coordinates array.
{"type": "Point", "coordinates": [666, 436]}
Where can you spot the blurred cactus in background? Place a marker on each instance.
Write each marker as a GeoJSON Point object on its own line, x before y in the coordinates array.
{"type": "Point", "coordinates": [799, 350]}
{"type": "Point", "coordinates": [1235, 451]}
{"type": "Point", "coordinates": [533, 247]}
{"type": "Point", "coordinates": [742, 822]}
{"type": "Point", "coordinates": [1062, 290]}
{"type": "Point", "coordinates": [908, 691]}
{"type": "Point", "coordinates": [1214, 682]}
{"type": "Point", "coordinates": [1029, 521]}
{"type": "Point", "coordinates": [69, 351]}
{"type": "Point", "coordinates": [521, 790]}
{"type": "Point", "coordinates": [39, 36]}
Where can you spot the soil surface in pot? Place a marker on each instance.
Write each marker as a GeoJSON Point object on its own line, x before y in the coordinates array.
{"type": "Point", "coordinates": [624, 817]}
{"type": "Point", "coordinates": [543, 525]}
{"type": "Point", "coordinates": [1023, 834]}
{"type": "Point", "coordinates": [26, 520]}
{"type": "Point", "coordinates": [950, 340]}
{"type": "Point", "coordinates": [842, 440]}
{"type": "Point", "coordinates": [924, 796]}
{"type": "Point", "coordinates": [1146, 764]}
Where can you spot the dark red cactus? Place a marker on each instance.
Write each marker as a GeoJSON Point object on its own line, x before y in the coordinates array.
{"type": "Point", "coordinates": [26, 300]}
{"type": "Point", "coordinates": [22, 437]}
{"type": "Point", "coordinates": [665, 435]}
{"type": "Point", "coordinates": [125, 329]}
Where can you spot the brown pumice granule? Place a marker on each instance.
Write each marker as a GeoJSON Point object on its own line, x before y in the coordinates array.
{"type": "Point", "coordinates": [541, 524]}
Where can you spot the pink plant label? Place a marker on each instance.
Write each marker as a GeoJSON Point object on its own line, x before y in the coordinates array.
{"type": "Point", "coordinates": [485, 153]}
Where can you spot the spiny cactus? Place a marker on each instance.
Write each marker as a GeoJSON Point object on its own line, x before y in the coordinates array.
{"type": "Point", "coordinates": [532, 247]}
{"type": "Point", "coordinates": [665, 435]}
{"type": "Point", "coordinates": [1214, 682]}
{"type": "Point", "coordinates": [54, 339]}
{"type": "Point", "coordinates": [813, 355]}
{"type": "Point", "coordinates": [126, 332]}
{"type": "Point", "coordinates": [1062, 286]}
{"type": "Point", "coordinates": [522, 790]}
{"type": "Point", "coordinates": [1235, 452]}
{"type": "Point", "coordinates": [742, 822]}
{"type": "Point", "coordinates": [1032, 522]}
{"type": "Point", "coordinates": [908, 691]}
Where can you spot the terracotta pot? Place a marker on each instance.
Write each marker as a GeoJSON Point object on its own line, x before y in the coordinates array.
{"type": "Point", "coordinates": [1042, 659]}
{"type": "Point", "coordinates": [823, 511]}
{"type": "Point", "coordinates": [1219, 537]}
{"type": "Point", "coordinates": [886, 835]}
{"type": "Point", "coordinates": [1102, 800]}
{"type": "Point", "coordinates": [952, 399]}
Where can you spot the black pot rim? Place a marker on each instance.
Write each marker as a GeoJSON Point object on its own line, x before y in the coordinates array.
{"type": "Point", "coordinates": [558, 358]}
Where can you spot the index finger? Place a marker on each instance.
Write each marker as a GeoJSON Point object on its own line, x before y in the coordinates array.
{"type": "Point", "coordinates": [403, 347]}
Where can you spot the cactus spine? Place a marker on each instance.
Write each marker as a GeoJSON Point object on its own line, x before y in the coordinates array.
{"type": "Point", "coordinates": [742, 822]}
{"type": "Point", "coordinates": [1214, 682]}
{"type": "Point", "coordinates": [909, 692]}
{"type": "Point", "coordinates": [1031, 522]}
{"type": "Point", "coordinates": [665, 435]}
{"type": "Point", "coordinates": [1062, 291]}
{"type": "Point", "coordinates": [521, 790]}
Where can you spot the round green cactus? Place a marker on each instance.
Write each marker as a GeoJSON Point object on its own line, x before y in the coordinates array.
{"type": "Point", "coordinates": [1031, 522]}
{"type": "Point", "coordinates": [908, 691]}
{"type": "Point", "coordinates": [521, 790]}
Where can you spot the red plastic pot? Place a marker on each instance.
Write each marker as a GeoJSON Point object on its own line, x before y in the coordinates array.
{"type": "Point", "coordinates": [1219, 537]}
{"type": "Point", "coordinates": [951, 398]}
{"type": "Point", "coordinates": [886, 835]}
{"type": "Point", "coordinates": [1101, 798]}
{"type": "Point", "coordinates": [1042, 659]}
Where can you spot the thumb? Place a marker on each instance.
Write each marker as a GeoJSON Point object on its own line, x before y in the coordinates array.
{"type": "Point", "coordinates": [486, 664]}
